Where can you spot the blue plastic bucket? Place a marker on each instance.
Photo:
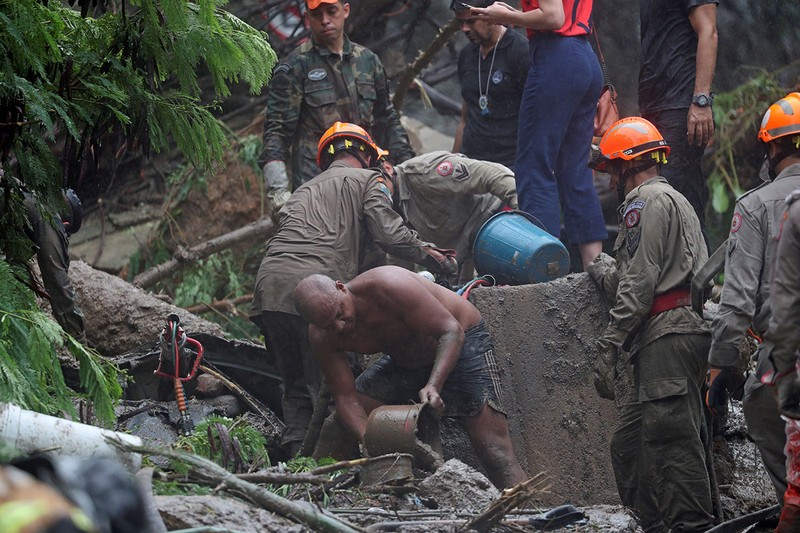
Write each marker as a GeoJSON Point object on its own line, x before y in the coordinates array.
{"type": "Point", "coordinates": [516, 251]}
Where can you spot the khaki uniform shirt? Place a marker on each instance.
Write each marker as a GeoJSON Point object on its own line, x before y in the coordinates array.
{"type": "Point", "coordinates": [326, 227]}
{"type": "Point", "coordinates": [447, 197]}
{"type": "Point", "coordinates": [659, 248]}
{"type": "Point", "coordinates": [784, 326]}
{"type": "Point", "coordinates": [313, 88]}
{"type": "Point", "coordinates": [745, 300]}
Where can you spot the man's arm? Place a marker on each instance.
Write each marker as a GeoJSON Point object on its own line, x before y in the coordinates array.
{"type": "Point", "coordinates": [426, 316]}
{"type": "Point", "coordinates": [460, 129]}
{"type": "Point", "coordinates": [280, 123]}
{"type": "Point", "coordinates": [548, 16]}
{"type": "Point", "coordinates": [737, 305]}
{"type": "Point", "coordinates": [784, 326]}
{"type": "Point", "coordinates": [389, 133]}
{"type": "Point", "coordinates": [700, 122]}
{"type": "Point", "coordinates": [637, 284]}
{"type": "Point", "coordinates": [339, 378]}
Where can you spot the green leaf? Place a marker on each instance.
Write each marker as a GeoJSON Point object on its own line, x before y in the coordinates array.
{"type": "Point", "coordinates": [720, 201]}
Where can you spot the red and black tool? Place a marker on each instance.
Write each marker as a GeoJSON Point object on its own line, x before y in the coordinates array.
{"type": "Point", "coordinates": [179, 363]}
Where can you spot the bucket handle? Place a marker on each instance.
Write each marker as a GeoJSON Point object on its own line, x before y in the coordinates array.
{"type": "Point", "coordinates": [527, 215]}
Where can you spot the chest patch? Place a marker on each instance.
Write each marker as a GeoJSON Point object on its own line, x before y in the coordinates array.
{"type": "Point", "coordinates": [736, 223]}
{"type": "Point", "coordinates": [445, 168]}
{"type": "Point", "coordinates": [317, 74]}
{"type": "Point", "coordinates": [497, 77]}
{"type": "Point", "coordinates": [632, 217]}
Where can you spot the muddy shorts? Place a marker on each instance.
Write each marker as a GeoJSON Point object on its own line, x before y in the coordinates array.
{"type": "Point", "coordinates": [473, 382]}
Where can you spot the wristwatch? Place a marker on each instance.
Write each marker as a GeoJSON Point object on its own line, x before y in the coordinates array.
{"type": "Point", "coordinates": [703, 99]}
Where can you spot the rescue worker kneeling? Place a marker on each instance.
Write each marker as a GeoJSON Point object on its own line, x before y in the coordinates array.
{"type": "Point", "coordinates": [657, 450]}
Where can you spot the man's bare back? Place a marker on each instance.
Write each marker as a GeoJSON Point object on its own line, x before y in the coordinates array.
{"type": "Point", "coordinates": [401, 314]}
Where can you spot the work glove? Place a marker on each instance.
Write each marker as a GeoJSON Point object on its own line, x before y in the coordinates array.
{"type": "Point", "coordinates": [276, 183]}
{"type": "Point", "coordinates": [441, 261]}
{"type": "Point", "coordinates": [721, 382]}
{"type": "Point", "coordinates": [605, 369]}
{"type": "Point", "coordinates": [789, 395]}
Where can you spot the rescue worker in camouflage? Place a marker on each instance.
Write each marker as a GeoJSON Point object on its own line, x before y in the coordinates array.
{"type": "Point", "coordinates": [745, 301]}
{"type": "Point", "coordinates": [657, 451]}
{"type": "Point", "coordinates": [50, 236]}
{"type": "Point", "coordinates": [446, 197]}
{"type": "Point", "coordinates": [326, 227]}
{"type": "Point", "coordinates": [327, 79]}
{"type": "Point", "coordinates": [784, 337]}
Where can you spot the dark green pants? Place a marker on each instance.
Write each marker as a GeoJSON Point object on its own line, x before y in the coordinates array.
{"type": "Point", "coordinates": [658, 450]}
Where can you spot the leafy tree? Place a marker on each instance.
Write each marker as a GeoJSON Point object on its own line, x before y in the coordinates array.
{"type": "Point", "coordinates": [67, 81]}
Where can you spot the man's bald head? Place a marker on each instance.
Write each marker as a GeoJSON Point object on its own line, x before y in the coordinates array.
{"type": "Point", "coordinates": [315, 298]}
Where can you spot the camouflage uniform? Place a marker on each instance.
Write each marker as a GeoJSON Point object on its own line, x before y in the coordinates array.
{"type": "Point", "coordinates": [745, 302]}
{"type": "Point", "coordinates": [657, 450]}
{"type": "Point", "coordinates": [313, 88]}
{"type": "Point", "coordinates": [447, 197]}
{"type": "Point", "coordinates": [326, 227]}
{"type": "Point", "coordinates": [51, 243]}
{"type": "Point", "coordinates": [784, 337]}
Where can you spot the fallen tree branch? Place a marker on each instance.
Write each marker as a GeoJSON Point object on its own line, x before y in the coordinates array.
{"type": "Point", "coordinates": [260, 229]}
{"type": "Point", "coordinates": [303, 512]}
{"type": "Point", "coordinates": [511, 498]}
{"type": "Point", "coordinates": [257, 407]}
{"type": "Point", "coordinates": [423, 60]}
{"type": "Point", "coordinates": [219, 305]}
{"type": "Point", "coordinates": [283, 478]}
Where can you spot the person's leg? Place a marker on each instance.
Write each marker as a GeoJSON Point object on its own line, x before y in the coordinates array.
{"type": "Point", "coordinates": [790, 514]}
{"type": "Point", "coordinates": [488, 433]}
{"type": "Point", "coordinates": [671, 371]}
{"type": "Point", "coordinates": [286, 341]}
{"type": "Point", "coordinates": [767, 429]}
{"type": "Point", "coordinates": [583, 217]}
{"type": "Point", "coordinates": [683, 170]}
{"type": "Point", "coordinates": [540, 133]}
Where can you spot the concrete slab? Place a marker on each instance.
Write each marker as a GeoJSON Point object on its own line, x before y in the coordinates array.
{"type": "Point", "coordinates": [544, 343]}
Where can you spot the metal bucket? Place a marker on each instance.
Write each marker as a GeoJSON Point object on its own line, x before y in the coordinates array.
{"type": "Point", "coordinates": [396, 429]}
{"type": "Point", "coordinates": [387, 469]}
{"type": "Point", "coordinates": [511, 247]}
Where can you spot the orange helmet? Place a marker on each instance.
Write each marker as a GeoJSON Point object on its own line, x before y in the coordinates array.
{"type": "Point", "coordinates": [781, 119]}
{"type": "Point", "coordinates": [630, 138]}
{"type": "Point", "coordinates": [343, 136]}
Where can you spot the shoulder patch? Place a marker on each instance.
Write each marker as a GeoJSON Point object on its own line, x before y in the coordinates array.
{"type": "Point", "coordinates": [632, 217]}
{"type": "Point", "coordinates": [445, 168]}
{"type": "Point", "coordinates": [317, 74]}
{"type": "Point", "coordinates": [636, 204]}
{"type": "Point", "coordinates": [736, 223]}
{"type": "Point", "coordinates": [461, 172]}
{"type": "Point", "coordinates": [282, 67]}
{"type": "Point", "coordinates": [793, 196]}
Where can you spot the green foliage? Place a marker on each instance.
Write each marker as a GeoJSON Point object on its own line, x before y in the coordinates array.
{"type": "Point", "coordinates": [737, 116]}
{"type": "Point", "coordinates": [30, 372]}
{"type": "Point", "coordinates": [250, 149]}
{"type": "Point", "coordinates": [205, 441]}
{"type": "Point", "coordinates": [179, 488]}
{"type": "Point", "coordinates": [135, 68]}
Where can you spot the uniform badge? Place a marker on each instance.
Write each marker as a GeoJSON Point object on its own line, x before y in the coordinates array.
{"type": "Point", "coordinates": [632, 218]}
{"type": "Point", "coordinates": [460, 172]}
{"type": "Point", "coordinates": [445, 168]}
{"type": "Point", "coordinates": [736, 223]}
{"type": "Point", "coordinates": [497, 77]}
{"type": "Point", "coordinates": [317, 74]}
{"type": "Point", "coordinates": [283, 67]}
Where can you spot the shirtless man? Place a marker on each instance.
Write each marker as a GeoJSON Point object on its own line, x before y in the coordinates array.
{"type": "Point", "coordinates": [436, 346]}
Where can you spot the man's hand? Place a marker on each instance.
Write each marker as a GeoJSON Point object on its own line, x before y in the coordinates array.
{"type": "Point", "coordinates": [700, 125]}
{"type": "Point", "coordinates": [430, 395]}
{"type": "Point", "coordinates": [605, 369]}
{"type": "Point", "coordinates": [441, 261]}
{"type": "Point", "coordinates": [789, 395]}
{"type": "Point", "coordinates": [721, 382]}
